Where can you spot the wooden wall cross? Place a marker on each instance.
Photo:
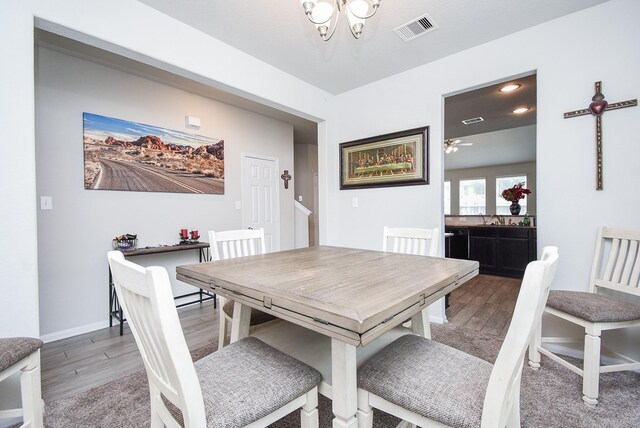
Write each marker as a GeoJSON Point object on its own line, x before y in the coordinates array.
{"type": "Point", "coordinates": [597, 107]}
{"type": "Point", "coordinates": [286, 177]}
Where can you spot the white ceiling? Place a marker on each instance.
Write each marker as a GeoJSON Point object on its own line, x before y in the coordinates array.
{"type": "Point", "coordinates": [278, 33]}
{"type": "Point", "coordinates": [516, 145]}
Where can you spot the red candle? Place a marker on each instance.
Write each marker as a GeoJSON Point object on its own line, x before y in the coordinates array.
{"type": "Point", "coordinates": [194, 234]}
{"type": "Point", "coordinates": [184, 234]}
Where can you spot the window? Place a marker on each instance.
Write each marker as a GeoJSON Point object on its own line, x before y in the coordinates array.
{"type": "Point", "coordinates": [447, 198]}
{"type": "Point", "coordinates": [502, 205]}
{"type": "Point", "coordinates": [473, 196]}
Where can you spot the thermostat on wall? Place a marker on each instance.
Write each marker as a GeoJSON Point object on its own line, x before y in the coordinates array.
{"type": "Point", "coordinates": [192, 121]}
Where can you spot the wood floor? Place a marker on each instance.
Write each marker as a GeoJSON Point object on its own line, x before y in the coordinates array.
{"type": "Point", "coordinates": [484, 304]}
{"type": "Point", "coordinates": [73, 365]}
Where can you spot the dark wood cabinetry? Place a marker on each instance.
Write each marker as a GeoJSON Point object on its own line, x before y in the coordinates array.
{"type": "Point", "coordinates": [503, 251]}
{"type": "Point", "coordinates": [483, 247]}
{"type": "Point", "coordinates": [457, 245]}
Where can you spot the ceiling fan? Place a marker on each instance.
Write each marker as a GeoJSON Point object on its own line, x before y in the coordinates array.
{"type": "Point", "coordinates": [452, 145]}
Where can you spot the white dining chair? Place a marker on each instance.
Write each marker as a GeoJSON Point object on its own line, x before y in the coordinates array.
{"type": "Point", "coordinates": [22, 355]}
{"type": "Point", "coordinates": [230, 244]}
{"type": "Point", "coordinates": [429, 384]}
{"type": "Point", "coordinates": [411, 240]}
{"type": "Point", "coordinates": [616, 271]}
{"type": "Point", "coordinates": [420, 242]}
{"type": "Point", "coordinates": [248, 383]}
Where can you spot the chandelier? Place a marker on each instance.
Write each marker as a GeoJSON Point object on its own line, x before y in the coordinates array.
{"type": "Point", "coordinates": [325, 15]}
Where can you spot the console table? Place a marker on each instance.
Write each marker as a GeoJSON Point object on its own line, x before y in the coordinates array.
{"type": "Point", "coordinates": [115, 310]}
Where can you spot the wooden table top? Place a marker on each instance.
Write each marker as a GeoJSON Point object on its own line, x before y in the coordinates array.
{"type": "Point", "coordinates": [351, 294]}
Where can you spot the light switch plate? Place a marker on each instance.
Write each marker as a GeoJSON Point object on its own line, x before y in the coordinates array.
{"type": "Point", "coordinates": [238, 205]}
{"type": "Point", "coordinates": [46, 203]}
{"type": "Point", "coordinates": [354, 202]}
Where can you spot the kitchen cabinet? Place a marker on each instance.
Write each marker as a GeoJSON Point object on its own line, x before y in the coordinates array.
{"type": "Point", "coordinates": [500, 250]}
{"type": "Point", "coordinates": [483, 247]}
{"type": "Point", "coordinates": [457, 245]}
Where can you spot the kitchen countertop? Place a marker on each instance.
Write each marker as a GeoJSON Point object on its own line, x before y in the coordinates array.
{"type": "Point", "coordinates": [515, 226]}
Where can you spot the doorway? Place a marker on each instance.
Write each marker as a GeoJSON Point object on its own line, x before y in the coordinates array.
{"type": "Point", "coordinates": [261, 198]}
{"type": "Point", "coordinates": [490, 146]}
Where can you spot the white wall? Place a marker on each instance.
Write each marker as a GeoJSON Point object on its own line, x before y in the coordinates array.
{"type": "Point", "coordinates": [74, 236]}
{"type": "Point", "coordinates": [567, 63]}
{"type": "Point", "coordinates": [18, 248]}
{"type": "Point", "coordinates": [490, 173]}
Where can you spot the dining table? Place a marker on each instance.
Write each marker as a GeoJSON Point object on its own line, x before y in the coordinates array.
{"type": "Point", "coordinates": [352, 296]}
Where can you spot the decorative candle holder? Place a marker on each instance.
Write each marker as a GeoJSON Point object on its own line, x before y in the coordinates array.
{"type": "Point", "coordinates": [184, 236]}
{"type": "Point", "coordinates": [194, 236]}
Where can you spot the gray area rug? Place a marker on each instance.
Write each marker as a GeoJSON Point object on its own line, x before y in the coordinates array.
{"type": "Point", "coordinates": [551, 396]}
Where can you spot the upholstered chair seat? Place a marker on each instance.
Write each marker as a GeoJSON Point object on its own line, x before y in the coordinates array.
{"type": "Point", "coordinates": [21, 355]}
{"type": "Point", "coordinates": [429, 384]}
{"type": "Point", "coordinates": [246, 384]}
{"type": "Point", "coordinates": [260, 377]}
{"type": "Point", "coordinates": [593, 307]}
{"type": "Point", "coordinates": [257, 317]}
{"type": "Point", "coordinates": [14, 349]}
{"type": "Point", "coordinates": [443, 384]}
{"type": "Point", "coordinates": [615, 271]}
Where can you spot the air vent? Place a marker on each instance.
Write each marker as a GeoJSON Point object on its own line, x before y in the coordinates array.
{"type": "Point", "coordinates": [473, 120]}
{"type": "Point", "coordinates": [416, 28]}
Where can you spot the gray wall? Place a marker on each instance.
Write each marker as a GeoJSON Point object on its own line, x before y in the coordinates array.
{"type": "Point", "coordinates": [490, 173]}
{"type": "Point", "coordinates": [74, 237]}
{"type": "Point", "coordinates": [306, 164]}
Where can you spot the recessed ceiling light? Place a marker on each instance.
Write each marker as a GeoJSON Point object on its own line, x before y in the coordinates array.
{"type": "Point", "coordinates": [510, 87]}
{"type": "Point", "coordinates": [521, 110]}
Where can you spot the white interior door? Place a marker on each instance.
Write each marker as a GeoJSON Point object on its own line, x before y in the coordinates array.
{"type": "Point", "coordinates": [261, 199]}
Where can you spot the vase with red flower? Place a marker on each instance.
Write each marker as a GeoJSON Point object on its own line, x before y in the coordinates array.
{"type": "Point", "coordinates": [513, 195]}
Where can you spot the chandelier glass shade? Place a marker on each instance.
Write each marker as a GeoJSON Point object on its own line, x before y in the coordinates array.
{"type": "Point", "coordinates": [325, 14]}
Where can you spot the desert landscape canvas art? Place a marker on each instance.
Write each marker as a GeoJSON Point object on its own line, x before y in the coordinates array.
{"type": "Point", "coordinates": [124, 155]}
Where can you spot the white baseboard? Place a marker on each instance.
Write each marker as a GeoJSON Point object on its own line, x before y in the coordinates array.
{"type": "Point", "coordinates": [63, 334]}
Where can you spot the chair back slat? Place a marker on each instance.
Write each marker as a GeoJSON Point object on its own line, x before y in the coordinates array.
{"type": "Point", "coordinates": [411, 241]}
{"type": "Point", "coordinates": [230, 244]}
{"type": "Point", "coordinates": [615, 243]}
{"type": "Point", "coordinates": [618, 250]}
{"type": "Point", "coordinates": [634, 279]}
{"type": "Point", "coordinates": [620, 260]}
{"type": "Point", "coordinates": [632, 253]}
{"type": "Point", "coordinates": [504, 383]}
{"type": "Point", "coordinates": [147, 302]}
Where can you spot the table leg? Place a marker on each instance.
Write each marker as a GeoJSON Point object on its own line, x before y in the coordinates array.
{"type": "Point", "coordinates": [344, 388]}
{"type": "Point", "coordinates": [420, 323]}
{"type": "Point", "coordinates": [240, 323]}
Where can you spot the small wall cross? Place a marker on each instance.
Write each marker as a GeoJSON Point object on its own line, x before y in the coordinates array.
{"type": "Point", "coordinates": [597, 107]}
{"type": "Point", "coordinates": [286, 177]}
